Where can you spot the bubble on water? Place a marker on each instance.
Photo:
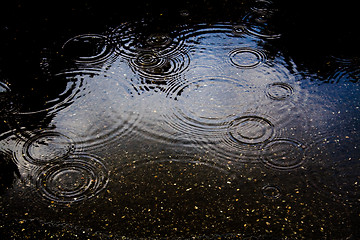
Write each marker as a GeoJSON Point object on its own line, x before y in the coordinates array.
{"type": "Point", "coordinates": [271, 191]}
{"type": "Point", "coordinates": [47, 147]}
{"type": "Point", "coordinates": [88, 48]}
{"type": "Point", "coordinates": [283, 154]}
{"type": "Point", "coordinates": [74, 179]}
{"type": "Point", "coordinates": [251, 129]}
{"type": "Point", "coordinates": [279, 90]}
{"type": "Point", "coordinates": [247, 57]}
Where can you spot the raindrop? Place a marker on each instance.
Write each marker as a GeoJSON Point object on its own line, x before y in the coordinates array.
{"type": "Point", "coordinates": [279, 91]}
{"type": "Point", "coordinates": [246, 57]}
{"type": "Point", "coordinates": [87, 48]}
{"type": "Point", "coordinates": [75, 179]}
{"type": "Point", "coordinates": [283, 154]}
{"type": "Point", "coordinates": [251, 129]}
{"type": "Point", "coordinates": [271, 191]}
{"type": "Point", "coordinates": [47, 147]}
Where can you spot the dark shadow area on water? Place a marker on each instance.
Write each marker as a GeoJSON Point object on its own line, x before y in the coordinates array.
{"type": "Point", "coordinates": [192, 120]}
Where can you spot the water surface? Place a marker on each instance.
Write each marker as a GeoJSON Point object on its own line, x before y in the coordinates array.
{"type": "Point", "coordinates": [179, 123]}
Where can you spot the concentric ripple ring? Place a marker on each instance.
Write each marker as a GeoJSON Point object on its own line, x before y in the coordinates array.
{"type": "Point", "coordinates": [47, 147]}
{"type": "Point", "coordinates": [251, 129]}
{"type": "Point", "coordinates": [75, 179]}
{"type": "Point", "coordinates": [279, 91]}
{"type": "Point", "coordinates": [246, 57]}
{"type": "Point", "coordinates": [284, 154]}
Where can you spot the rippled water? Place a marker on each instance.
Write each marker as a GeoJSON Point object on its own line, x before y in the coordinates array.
{"type": "Point", "coordinates": [171, 126]}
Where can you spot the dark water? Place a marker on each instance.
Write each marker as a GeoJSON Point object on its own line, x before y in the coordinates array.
{"type": "Point", "coordinates": [206, 120]}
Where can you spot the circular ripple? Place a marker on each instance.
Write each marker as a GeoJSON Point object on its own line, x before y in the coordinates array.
{"type": "Point", "coordinates": [284, 154]}
{"type": "Point", "coordinates": [246, 57]}
{"type": "Point", "coordinates": [75, 179]}
{"type": "Point", "coordinates": [279, 91]}
{"type": "Point", "coordinates": [159, 40]}
{"type": "Point", "coordinates": [154, 66]}
{"type": "Point", "coordinates": [257, 25]}
{"type": "Point", "coordinates": [204, 105]}
{"type": "Point", "coordinates": [47, 147]}
{"type": "Point", "coordinates": [251, 129]}
{"type": "Point", "coordinates": [271, 192]}
{"type": "Point", "coordinates": [130, 39]}
{"type": "Point", "coordinates": [87, 48]}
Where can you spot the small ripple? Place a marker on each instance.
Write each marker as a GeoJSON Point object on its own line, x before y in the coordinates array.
{"type": "Point", "coordinates": [262, 7]}
{"type": "Point", "coordinates": [251, 129]}
{"type": "Point", "coordinates": [88, 48]}
{"type": "Point", "coordinates": [43, 147]}
{"type": "Point", "coordinates": [279, 90]}
{"type": "Point", "coordinates": [271, 191]}
{"type": "Point", "coordinates": [130, 39]}
{"type": "Point", "coordinates": [257, 25]}
{"type": "Point", "coordinates": [154, 66]}
{"type": "Point", "coordinates": [247, 57]}
{"type": "Point", "coordinates": [345, 74]}
{"type": "Point", "coordinates": [47, 147]}
{"type": "Point", "coordinates": [243, 138]}
{"type": "Point", "coordinates": [283, 154]}
{"type": "Point", "coordinates": [75, 179]}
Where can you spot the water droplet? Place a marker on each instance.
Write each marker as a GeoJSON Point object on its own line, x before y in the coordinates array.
{"type": "Point", "coordinates": [279, 91]}
{"type": "Point", "coordinates": [246, 57]}
{"type": "Point", "coordinates": [75, 179]}
{"type": "Point", "coordinates": [284, 154]}
{"type": "Point", "coordinates": [251, 129]}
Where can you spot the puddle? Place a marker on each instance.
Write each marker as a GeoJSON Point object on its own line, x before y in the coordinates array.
{"type": "Point", "coordinates": [178, 125]}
